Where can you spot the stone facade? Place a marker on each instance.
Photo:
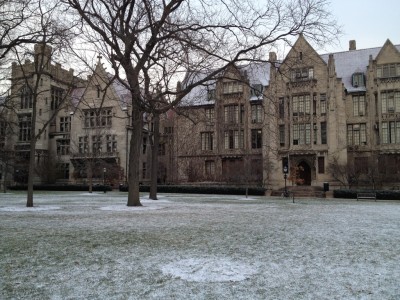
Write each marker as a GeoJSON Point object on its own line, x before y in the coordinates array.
{"type": "Point", "coordinates": [219, 129]}
{"type": "Point", "coordinates": [329, 118]}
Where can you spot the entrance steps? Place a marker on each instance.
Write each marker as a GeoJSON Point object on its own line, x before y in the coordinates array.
{"type": "Point", "coordinates": [302, 191]}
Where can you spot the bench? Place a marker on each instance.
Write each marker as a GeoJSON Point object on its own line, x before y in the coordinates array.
{"type": "Point", "coordinates": [366, 196]}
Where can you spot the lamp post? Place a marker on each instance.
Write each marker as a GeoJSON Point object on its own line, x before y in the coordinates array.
{"type": "Point", "coordinates": [285, 172]}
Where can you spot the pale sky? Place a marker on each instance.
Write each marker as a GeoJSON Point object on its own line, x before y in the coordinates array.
{"type": "Point", "coordinates": [369, 22]}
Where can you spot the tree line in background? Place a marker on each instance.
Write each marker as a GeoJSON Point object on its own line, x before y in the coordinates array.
{"type": "Point", "coordinates": [155, 49]}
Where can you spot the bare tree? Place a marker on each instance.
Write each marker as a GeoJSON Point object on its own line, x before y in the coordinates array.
{"type": "Point", "coordinates": [345, 174]}
{"type": "Point", "coordinates": [27, 77]}
{"type": "Point", "coordinates": [153, 43]}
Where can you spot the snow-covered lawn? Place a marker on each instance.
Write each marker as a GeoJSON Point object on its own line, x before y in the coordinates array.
{"type": "Point", "coordinates": [81, 246]}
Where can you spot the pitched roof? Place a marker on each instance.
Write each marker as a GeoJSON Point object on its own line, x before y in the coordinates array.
{"type": "Point", "coordinates": [257, 73]}
{"type": "Point", "coordinates": [349, 62]}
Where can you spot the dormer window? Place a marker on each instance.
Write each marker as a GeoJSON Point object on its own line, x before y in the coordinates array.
{"type": "Point", "coordinates": [257, 90]}
{"type": "Point", "coordinates": [357, 80]}
{"type": "Point", "coordinates": [211, 94]}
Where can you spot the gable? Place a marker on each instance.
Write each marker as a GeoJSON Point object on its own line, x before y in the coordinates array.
{"type": "Point", "coordinates": [302, 54]}
{"type": "Point", "coordinates": [388, 54]}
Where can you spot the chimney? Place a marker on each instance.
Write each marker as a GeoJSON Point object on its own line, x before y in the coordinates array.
{"type": "Point", "coordinates": [272, 57]}
{"type": "Point", "coordinates": [352, 45]}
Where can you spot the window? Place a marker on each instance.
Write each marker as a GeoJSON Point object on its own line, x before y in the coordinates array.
{"type": "Point", "coordinates": [83, 144]}
{"type": "Point", "coordinates": [106, 117]}
{"type": "Point", "coordinates": [324, 138]}
{"type": "Point", "coordinates": [301, 105]}
{"type": "Point", "coordinates": [63, 146]}
{"type": "Point", "coordinates": [232, 87]}
{"type": "Point", "coordinates": [391, 132]}
{"type": "Point", "coordinates": [315, 133]}
{"type": "Point", "coordinates": [168, 130]}
{"type": "Point", "coordinates": [233, 139]}
{"type": "Point", "coordinates": [210, 167]}
{"type": "Point", "coordinates": [161, 149]}
{"type": "Point", "coordinates": [302, 74]}
{"type": "Point", "coordinates": [361, 165]}
{"type": "Point", "coordinates": [95, 118]}
{"type": "Point", "coordinates": [388, 70]}
{"type": "Point", "coordinates": [256, 113]}
{"type": "Point", "coordinates": [144, 170]}
{"type": "Point", "coordinates": [389, 164]}
{"type": "Point", "coordinates": [207, 141]}
{"type": "Point", "coordinates": [231, 113]}
{"type": "Point", "coordinates": [358, 80]}
{"type": "Point", "coordinates": [144, 145]}
{"type": "Point", "coordinates": [281, 108]}
{"type": "Point", "coordinates": [390, 101]}
{"type": "Point", "coordinates": [256, 138]}
{"type": "Point", "coordinates": [322, 104]}
{"type": "Point", "coordinates": [63, 171]}
{"type": "Point", "coordinates": [321, 165]}
{"type": "Point", "coordinates": [282, 135]}
{"type": "Point", "coordinates": [111, 143]}
{"type": "Point", "coordinates": [24, 123]}
{"type": "Point", "coordinates": [56, 97]}
{"type": "Point", "coordinates": [98, 90]}
{"type": "Point", "coordinates": [256, 90]}
{"type": "Point", "coordinates": [209, 114]}
{"type": "Point", "coordinates": [96, 144]}
{"type": "Point", "coordinates": [65, 124]}
{"type": "Point", "coordinates": [211, 94]}
{"type": "Point", "coordinates": [356, 134]}
{"type": "Point", "coordinates": [301, 134]}
{"type": "Point", "coordinates": [3, 126]}
{"type": "Point", "coordinates": [359, 105]}
{"type": "Point", "coordinates": [26, 98]}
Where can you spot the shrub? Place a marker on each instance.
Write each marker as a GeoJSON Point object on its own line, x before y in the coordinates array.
{"type": "Point", "coordinates": [185, 189]}
{"type": "Point", "coordinates": [61, 187]}
{"type": "Point", "coordinates": [380, 194]}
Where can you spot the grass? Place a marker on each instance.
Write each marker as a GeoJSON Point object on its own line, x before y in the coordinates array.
{"type": "Point", "coordinates": [197, 247]}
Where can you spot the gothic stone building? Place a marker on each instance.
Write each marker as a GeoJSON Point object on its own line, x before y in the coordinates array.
{"type": "Point", "coordinates": [329, 118]}
{"type": "Point", "coordinates": [219, 129]}
{"type": "Point", "coordinates": [88, 130]}
{"type": "Point", "coordinates": [337, 117]}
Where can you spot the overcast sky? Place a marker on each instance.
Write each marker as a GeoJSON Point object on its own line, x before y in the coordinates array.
{"type": "Point", "coordinates": [369, 22]}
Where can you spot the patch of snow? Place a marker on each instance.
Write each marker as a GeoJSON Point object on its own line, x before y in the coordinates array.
{"type": "Point", "coordinates": [92, 194]}
{"type": "Point", "coordinates": [129, 208]}
{"type": "Point", "coordinates": [28, 209]}
{"type": "Point", "coordinates": [212, 269]}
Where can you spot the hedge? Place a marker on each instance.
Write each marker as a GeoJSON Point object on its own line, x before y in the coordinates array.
{"type": "Point", "coordinates": [380, 194]}
{"type": "Point", "coordinates": [62, 187]}
{"type": "Point", "coordinates": [184, 189]}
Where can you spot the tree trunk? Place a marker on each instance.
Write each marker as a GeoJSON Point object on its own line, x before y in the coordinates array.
{"type": "Point", "coordinates": [90, 175]}
{"type": "Point", "coordinates": [32, 146]}
{"type": "Point", "coordinates": [154, 157]}
{"type": "Point", "coordinates": [31, 167]}
{"type": "Point", "coordinates": [134, 158]}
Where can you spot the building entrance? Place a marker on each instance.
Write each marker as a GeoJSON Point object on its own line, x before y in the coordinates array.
{"type": "Point", "coordinates": [304, 173]}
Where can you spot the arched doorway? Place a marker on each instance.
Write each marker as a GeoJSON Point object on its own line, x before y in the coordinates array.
{"type": "Point", "coordinates": [304, 173]}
